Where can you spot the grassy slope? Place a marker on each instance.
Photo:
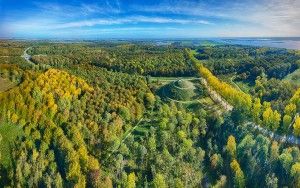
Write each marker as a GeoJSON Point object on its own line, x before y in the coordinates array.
{"type": "Point", "coordinates": [9, 133]}
{"type": "Point", "coordinates": [5, 84]}
{"type": "Point", "coordinates": [194, 104]}
{"type": "Point", "coordinates": [229, 78]}
{"type": "Point", "coordinates": [294, 77]}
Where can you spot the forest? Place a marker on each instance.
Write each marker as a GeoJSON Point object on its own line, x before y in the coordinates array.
{"type": "Point", "coordinates": [137, 114]}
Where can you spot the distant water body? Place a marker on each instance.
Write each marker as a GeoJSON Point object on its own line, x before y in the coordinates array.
{"type": "Point", "coordinates": [288, 43]}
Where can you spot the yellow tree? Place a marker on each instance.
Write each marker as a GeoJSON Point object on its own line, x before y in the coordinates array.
{"type": "Point", "coordinates": [159, 181]}
{"type": "Point", "coordinates": [267, 116]}
{"type": "Point", "coordinates": [290, 109]}
{"type": "Point", "coordinates": [14, 118]}
{"type": "Point", "coordinates": [295, 173]}
{"type": "Point", "coordinates": [287, 120]}
{"type": "Point", "coordinates": [296, 99]}
{"type": "Point", "coordinates": [276, 120]}
{"type": "Point", "coordinates": [231, 146]}
{"type": "Point", "coordinates": [131, 180]}
{"type": "Point", "coordinates": [0, 143]}
{"type": "Point", "coordinates": [239, 178]}
{"type": "Point", "coordinates": [256, 110]}
{"type": "Point", "coordinates": [271, 119]}
{"type": "Point", "coordinates": [0, 151]}
{"type": "Point", "coordinates": [297, 126]}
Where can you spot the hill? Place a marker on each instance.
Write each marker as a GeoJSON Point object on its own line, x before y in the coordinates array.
{"type": "Point", "coordinates": [181, 90]}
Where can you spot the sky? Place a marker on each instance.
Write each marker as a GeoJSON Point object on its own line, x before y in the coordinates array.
{"type": "Point", "coordinates": [87, 19]}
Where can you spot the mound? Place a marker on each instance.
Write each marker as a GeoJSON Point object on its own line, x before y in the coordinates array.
{"type": "Point", "coordinates": [183, 84]}
{"type": "Point", "coordinates": [181, 90]}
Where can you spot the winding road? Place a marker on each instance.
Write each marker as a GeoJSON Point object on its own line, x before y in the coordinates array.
{"type": "Point", "coordinates": [27, 57]}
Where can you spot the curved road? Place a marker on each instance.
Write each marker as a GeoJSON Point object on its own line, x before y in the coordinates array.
{"type": "Point", "coordinates": [27, 57]}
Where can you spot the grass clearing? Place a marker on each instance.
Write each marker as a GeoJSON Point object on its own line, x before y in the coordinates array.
{"type": "Point", "coordinates": [9, 133]}
{"type": "Point", "coordinates": [245, 87]}
{"type": "Point", "coordinates": [5, 84]}
{"type": "Point", "coordinates": [240, 85]}
{"type": "Point", "coordinates": [294, 77]}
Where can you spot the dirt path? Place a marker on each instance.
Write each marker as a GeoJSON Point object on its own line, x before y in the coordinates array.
{"type": "Point", "coordinates": [231, 80]}
{"type": "Point", "coordinates": [216, 97]}
{"type": "Point", "coordinates": [289, 139]}
{"type": "Point", "coordinates": [125, 136]}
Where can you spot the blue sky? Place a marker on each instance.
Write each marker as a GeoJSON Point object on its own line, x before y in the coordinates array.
{"type": "Point", "coordinates": [88, 19]}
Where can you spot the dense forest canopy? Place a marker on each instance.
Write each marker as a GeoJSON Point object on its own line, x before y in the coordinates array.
{"type": "Point", "coordinates": [249, 62]}
{"type": "Point", "coordinates": [128, 58]}
{"type": "Point", "coordinates": [91, 114]}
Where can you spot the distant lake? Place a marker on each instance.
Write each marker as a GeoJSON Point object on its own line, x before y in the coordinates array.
{"type": "Point", "coordinates": [289, 43]}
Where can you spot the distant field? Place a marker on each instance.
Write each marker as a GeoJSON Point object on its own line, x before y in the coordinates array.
{"type": "Point", "coordinates": [294, 77]}
{"type": "Point", "coordinates": [5, 84]}
{"type": "Point", "coordinates": [9, 133]}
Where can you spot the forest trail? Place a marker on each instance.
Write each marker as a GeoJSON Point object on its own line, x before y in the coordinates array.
{"type": "Point", "coordinates": [216, 97]}
{"type": "Point", "coordinates": [125, 136]}
{"type": "Point", "coordinates": [289, 139]}
{"type": "Point", "coordinates": [232, 81]}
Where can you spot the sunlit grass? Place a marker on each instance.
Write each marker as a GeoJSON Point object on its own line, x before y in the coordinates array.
{"type": "Point", "coordinates": [9, 133]}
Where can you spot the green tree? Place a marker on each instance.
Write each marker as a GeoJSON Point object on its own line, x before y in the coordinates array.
{"type": "Point", "coordinates": [274, 152]}
{"type": "Point", "coordinates": [271, 181]}
{"type": "Point", "coordinates": [221, 182]}
{"type": "Point", "coordinates": [286, 160]}
{"type": "Point", "coordinates": [239, 178]}
{"type": "Point", "coordinates": [159, 181]}
{"type": "Point", "coordinates": [178, 183]}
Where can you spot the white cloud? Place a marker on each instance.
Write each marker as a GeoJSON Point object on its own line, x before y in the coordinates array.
{"type": "Point", "coordinates": [228, 18]}
{"type": "Point", "coordinates": [83, 9]}
{"type": "Point", "coordinates": [277, 17]}
{"type": "Point", "coordinates": [49, 24]}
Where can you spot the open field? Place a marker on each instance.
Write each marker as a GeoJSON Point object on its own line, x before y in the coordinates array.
{"type": "Point", "coordinates": [245, 87]}
{"type": "Point", "coordinates": [9, 133]}
{"type": "Point", "coordinates": [5, 84]}
{"type": "Point", "coordinates": [230, 78]}
{"type": "Point", "coordinates": [294, 77]}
